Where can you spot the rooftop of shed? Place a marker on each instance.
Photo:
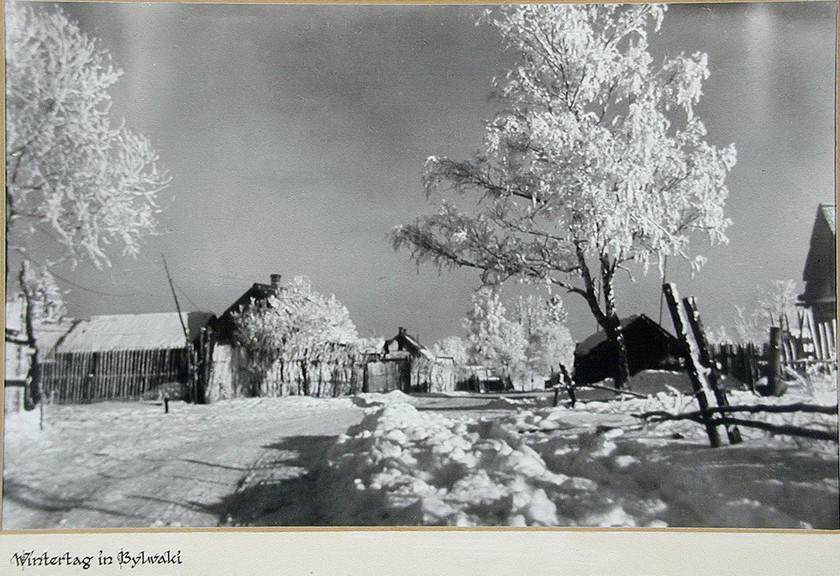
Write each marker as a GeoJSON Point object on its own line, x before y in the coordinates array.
{"type": "Point", "coordinates": [154, 331]}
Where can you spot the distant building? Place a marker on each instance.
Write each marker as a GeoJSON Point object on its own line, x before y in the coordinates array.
{"type": "Point", "coordinates": [649, 346]}
{"type": "Point", "coordinates": [820, 269]}
{"type": "Point", "coordinates": [407, 365]}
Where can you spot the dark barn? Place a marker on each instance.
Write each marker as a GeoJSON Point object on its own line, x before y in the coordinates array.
{"type": "Point", "coordinates": [649, 347]}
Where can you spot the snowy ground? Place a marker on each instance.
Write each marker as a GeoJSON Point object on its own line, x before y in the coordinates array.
{"type": "Point", "coordinates": [398, 460]}
{"type": "Point", "coordinates": [129, 464]}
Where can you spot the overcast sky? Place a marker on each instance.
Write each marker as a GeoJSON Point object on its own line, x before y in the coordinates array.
{"type": "Point", "coordinates": [296, 136]}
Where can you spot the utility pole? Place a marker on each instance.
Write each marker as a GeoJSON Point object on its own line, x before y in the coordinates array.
{"type": "Point", "coordinates": [191, 361]}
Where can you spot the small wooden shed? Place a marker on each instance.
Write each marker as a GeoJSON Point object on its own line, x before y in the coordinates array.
{"type": "Point", "coordinates": [649, 347]}
{"type": "Point", "coordinates": [407, 365]}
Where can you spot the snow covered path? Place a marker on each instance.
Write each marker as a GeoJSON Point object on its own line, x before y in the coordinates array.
{"type": "Point", "coordinates": [131, 465]}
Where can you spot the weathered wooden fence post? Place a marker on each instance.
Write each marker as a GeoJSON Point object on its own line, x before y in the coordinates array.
{"type": "Point", "coordinates": [696, 371]}
{"type": "Point", "coordinates": [774, 362]}
{"type": "Point", "coordinates": [707, 360]}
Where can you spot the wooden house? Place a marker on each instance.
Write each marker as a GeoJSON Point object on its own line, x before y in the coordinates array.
{"type": "Point", "coordinates": [820, 269]}
{"type": "Point", "coordinates": [230, 377]}
{"type": "Point", "coordinates": [649, 346]}
{"type": "Point", "coordinates": [407, 365]}
{"type": "Point", "coordinates": [125, 356]}
{"type": "Point", "coordinates": [224, 327]}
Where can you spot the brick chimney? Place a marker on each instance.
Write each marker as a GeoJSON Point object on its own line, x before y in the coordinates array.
{"type": "Point", "coordinates": [276, 281]}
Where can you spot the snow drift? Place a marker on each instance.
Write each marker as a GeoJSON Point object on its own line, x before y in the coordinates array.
{"type": "Point", "coordinates": [562, 467]}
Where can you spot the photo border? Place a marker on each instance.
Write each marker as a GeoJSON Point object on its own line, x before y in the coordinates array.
{"type": "Point", "coordinates": [432, 550]}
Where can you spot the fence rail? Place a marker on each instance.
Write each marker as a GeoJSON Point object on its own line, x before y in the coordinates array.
{"type": "Point", "coordinates": [811, 344]}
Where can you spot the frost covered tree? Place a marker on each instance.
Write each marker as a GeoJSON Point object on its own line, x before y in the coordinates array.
{"type": "Point", "coordinates": [455, 348]}
{"type": "Point", "coordinates": [295, 326]}
{"type": "Point", "coordinates": [595, 161]}
{"type": "Point", "coordinates": [42, 292]}
{"type": "Point", "coordinates": [77, 184]}
{"type": "Point", "coordinates": [494, 340]}
{"type": "Point", "coordinates": [769, 306]}
{"type": "Point", "coordinates": [550, 349]}
{"type": "Point", "coordinates": [777, 302]}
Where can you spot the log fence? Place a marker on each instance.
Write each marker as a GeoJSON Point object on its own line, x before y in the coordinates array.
{"type": "Point", "coordinates": [703, 363]}
{"type": "Point", "coordinates": [805, 346]}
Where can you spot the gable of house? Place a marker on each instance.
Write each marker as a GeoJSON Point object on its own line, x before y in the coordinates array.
{"type": "Point", "coordinates": [820, 268]}
{"type": "Point", "coordinates": [224, 327]}
{"type": "Point", "coordinates": [403, 342]}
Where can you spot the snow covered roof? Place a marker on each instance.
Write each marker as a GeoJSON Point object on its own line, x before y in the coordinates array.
{"type": "Point", "coordinates": [155, 331]}
{"type": "Point", "coordinates": [49, 334]}
{"type": "Point", "coordinates": [586, 346]}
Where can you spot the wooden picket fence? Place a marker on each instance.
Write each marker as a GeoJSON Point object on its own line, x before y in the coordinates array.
{"type": "Point", "coordinates": [805, 345]}
{"type": "Point", "coordinates": [116, 375]}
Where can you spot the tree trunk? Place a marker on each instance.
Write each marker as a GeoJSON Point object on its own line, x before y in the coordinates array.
{"type": "Point", "coordinates": [304, 377]}
{"type": "Point", "coordinates": [607, 318]}
{"type": "Point", "coordinates": [615, 335]}
{"type": "Point", "coordinates": [612, 326]}
{"type": "Point", "coordinates": [33, 395]}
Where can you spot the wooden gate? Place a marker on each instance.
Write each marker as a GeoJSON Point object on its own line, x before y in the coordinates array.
{"type": "Point", "coordinates": [388, 375]}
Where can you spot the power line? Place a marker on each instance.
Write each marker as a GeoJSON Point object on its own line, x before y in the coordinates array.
{"type": "Point", "coordinates": [190, 300]}
{"type": "Point", "coordinates": [86, 288]}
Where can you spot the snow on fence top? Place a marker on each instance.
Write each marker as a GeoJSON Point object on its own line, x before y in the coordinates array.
{"type": "Point", "coordinates": [155, 331]}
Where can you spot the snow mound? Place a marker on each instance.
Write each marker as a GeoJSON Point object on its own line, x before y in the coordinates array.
{"type": "Point", "coordinates": [379, 398]}
{"type": "Point", "coordinates": [405, 467]}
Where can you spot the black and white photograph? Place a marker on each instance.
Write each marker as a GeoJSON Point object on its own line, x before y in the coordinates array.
{"type": "Point", "coordinates": [355, 265]}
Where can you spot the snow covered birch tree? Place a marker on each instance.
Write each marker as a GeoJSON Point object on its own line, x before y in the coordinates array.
{"type": "Point", "coordinates": [551, 347]}
{"type": "Point", "coordinates": [596, 160]}
{"type": "Point", "coordinates": [494, 340]}
{"type": "Point", "coordinates": [77, 185]}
